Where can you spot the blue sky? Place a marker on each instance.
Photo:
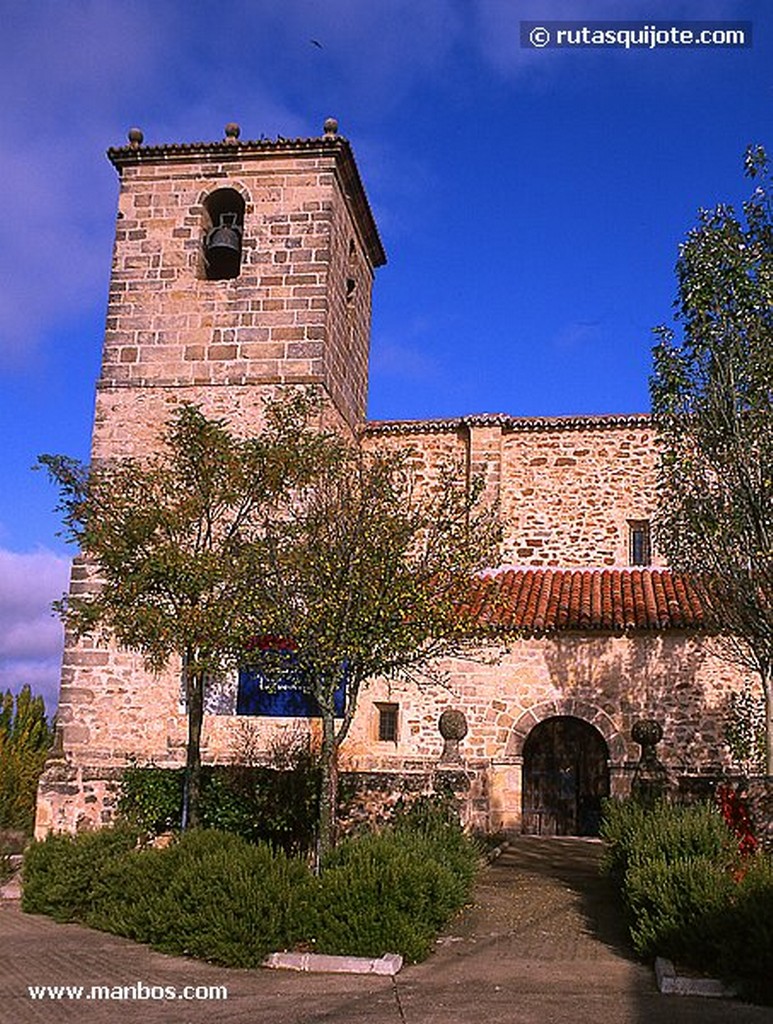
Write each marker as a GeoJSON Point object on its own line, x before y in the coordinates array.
{"type": "Point", "coordinates": [531, 203]}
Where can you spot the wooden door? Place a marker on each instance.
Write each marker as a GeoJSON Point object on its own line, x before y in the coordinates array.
{"type": "Point", "coordinates": [565, 778]}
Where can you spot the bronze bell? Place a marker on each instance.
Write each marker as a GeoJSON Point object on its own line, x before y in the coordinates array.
{"type": "Point", "coordinates": [223, 248]}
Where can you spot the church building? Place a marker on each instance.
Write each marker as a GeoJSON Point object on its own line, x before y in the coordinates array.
{"type": "Point", "coordinates": [244, 267]}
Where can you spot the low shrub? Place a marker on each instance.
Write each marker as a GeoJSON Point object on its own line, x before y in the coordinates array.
{"type": "Point", "coordinates": [690, 895]}
{"type": "Point", "coordinates": [746, 951]}
{"type": "Point", "coordinates": [211, 895]}
{"type": "Point", "coordinates": [435, 819]}
{"type": "Point", "coordinates": [383, 894]}
{"type": "Point", "coordinates": [215, 896]}
{"type": "Point", "coordinates": [676, 907]}
{"type": "Point", "coordinates": [60, 872]}
{"type": "Point", "coordinates": [637, 835]}
{"type": "Point", "coordinates": [393, 891]}
{"type": "Point", "coordinates": [622, 822]}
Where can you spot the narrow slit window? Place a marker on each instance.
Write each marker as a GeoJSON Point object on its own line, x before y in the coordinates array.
{"type": "Point", "coordinates": [640, 544]}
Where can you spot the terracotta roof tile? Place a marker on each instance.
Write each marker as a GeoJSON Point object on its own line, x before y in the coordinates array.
{"type": "Point", "coordinates": [615, 600]}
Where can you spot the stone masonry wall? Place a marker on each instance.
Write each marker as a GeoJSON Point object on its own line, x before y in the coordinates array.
{"type": "Point", "coordinates": [171, 335]}
{"type": "Point", "coordinates": [298, 313]}
{"type": "Point", "coordinates": [567, 488]}
{"type": "Point", "coordinates": [609, 681]}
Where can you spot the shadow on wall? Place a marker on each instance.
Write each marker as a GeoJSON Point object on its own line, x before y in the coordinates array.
{"type": "Point", "coordinates": [672, 679]}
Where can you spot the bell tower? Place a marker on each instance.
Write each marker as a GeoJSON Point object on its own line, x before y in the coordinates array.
{"type": "Point", "coordinates": [238, 267]}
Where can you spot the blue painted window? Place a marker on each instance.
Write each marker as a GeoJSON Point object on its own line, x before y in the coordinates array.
{"type": "Point", "coordinates": [282, 698]}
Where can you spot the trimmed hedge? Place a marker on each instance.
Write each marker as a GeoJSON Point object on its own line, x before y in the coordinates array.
{"type": "Point", "coordinates": [689, 895]}
{"type": "Point", "coordinates": [213, 895]}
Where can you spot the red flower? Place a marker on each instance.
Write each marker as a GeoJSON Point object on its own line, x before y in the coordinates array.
{"type": "Point", "coordinates": [736, 814]}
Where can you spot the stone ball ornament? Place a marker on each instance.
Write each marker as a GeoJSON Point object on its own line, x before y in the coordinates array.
{"type": "Point", "coordinates": [647, 732]}
{"type": "Point", "coordinates": [453, 725]}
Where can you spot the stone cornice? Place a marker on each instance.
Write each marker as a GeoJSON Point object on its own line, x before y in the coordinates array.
{"type": "Point", "coordinates": [513, 424]}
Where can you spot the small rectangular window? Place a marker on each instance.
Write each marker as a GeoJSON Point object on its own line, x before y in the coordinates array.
{"type": "Point", "coordinates": [387, 722]}
{"type": "Point", "coordinates": [639, 542]}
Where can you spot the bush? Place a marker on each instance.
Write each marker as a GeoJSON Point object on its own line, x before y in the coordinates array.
{"type": "Point", "coordinates": [150, 798]}
{"type": "Point", "coordinates": [636, 835]}
{"type": "Point", "coordinates": [676, 907]}
{"type": "Point", "coordinates": [746, 952]}
{"type": "Point", "coordinates": [215, 896]}
{"type": "Point", "coordinates": [211, 895]}
{"type": "Point", "coordinates": [258, 804]}
{"type": "Point", "coordinates": [385, 893]}
{"type": "Point", "coordinates": [60, 872]}
{"type": "Point", "coordinates": [435, 819]}
{"type": "Point", "coordinates": [689, 895]}
{"type": "Point", "coordinates": [393, 891]}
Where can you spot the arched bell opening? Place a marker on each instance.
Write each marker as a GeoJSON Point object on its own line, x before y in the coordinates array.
{"type": "Point", "coordinates": [565, 778]}
{"type": "Point", "coordinates": [223, 228]}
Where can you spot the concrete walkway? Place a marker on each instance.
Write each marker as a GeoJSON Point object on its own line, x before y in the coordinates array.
{"type": "Point", "coordinates": [543, 944]}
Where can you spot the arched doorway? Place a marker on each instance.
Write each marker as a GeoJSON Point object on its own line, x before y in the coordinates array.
{"type": "Point", "coordinates": [565, 777]}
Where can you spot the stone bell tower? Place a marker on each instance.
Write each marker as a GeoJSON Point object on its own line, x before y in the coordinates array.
{"type": "Point", "coordinates": [239, 267]}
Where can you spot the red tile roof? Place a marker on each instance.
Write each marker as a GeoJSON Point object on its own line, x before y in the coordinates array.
{"type": "Point", "coordinates": [614, 600]}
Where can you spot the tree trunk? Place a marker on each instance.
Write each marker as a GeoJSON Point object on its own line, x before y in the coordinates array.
{"type": "Point", "coordinates": [767, 684]}
{"type": "Point", "coordinates": [328, 796]}
{"type": "Point", "coordinates": [194, 687]}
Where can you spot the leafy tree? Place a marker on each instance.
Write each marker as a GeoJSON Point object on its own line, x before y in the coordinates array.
{"type": "Point", "coordinates": [174, 544]}
{"type": "Point", "coordinates": [712, 396]}
{"type": "Point", "coordinates": [295, 550]}
{"type": "Point", "coordinates": [367, 577]}
{"type": "Point", "coordinates": [745, 730]}
{"type": "Point", "coordinates": [25, 738]}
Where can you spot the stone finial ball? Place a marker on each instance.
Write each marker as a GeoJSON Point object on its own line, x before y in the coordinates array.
{"type": "Point", "coordinates": [452, 725]}
{"type": "Point", "coordinates": [135, 137]}
{"type": "Point", "coordinates": [232, 130]}
{"type": "Point", "coordinates": [647, 732]}
{"type": "Point", "coordinates": [330, 126]}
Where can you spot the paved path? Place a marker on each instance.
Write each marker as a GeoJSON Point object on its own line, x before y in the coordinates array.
{"type": "Point", "coordinates": [543, 944]}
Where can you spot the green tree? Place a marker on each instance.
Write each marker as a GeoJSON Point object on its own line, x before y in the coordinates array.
{"type": "Point", "coordinates": [173, 541]}
{"type": "Point", "coordinates": [712, 396]}
{"type": "Point", "coordinates": [215, 543]}
{"type": "Point", "coordinates": [25, 738]}
{"type": "Point", "coordinates": [368, 578]}
{"type": "Point", "coordinates": [745, 730]}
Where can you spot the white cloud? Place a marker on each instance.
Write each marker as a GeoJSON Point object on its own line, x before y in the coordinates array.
{"type": "Point", "coordinates": [30, 635]}
{"type": "Point", "coordinates": [402, 362]}
{"type": "Point", "coordinates": [577, 335]}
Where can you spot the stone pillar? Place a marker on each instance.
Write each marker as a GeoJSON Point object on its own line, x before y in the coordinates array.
{"type": "Point", "coordinates": [650, 780]}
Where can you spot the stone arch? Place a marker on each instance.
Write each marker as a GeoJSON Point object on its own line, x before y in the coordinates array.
{"type": "Point", "coordinates": [201, 214]}
{"type": "Point", "coordinates": [570, 707]}
{"type": "Point", "coordinates": [215, 186]}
